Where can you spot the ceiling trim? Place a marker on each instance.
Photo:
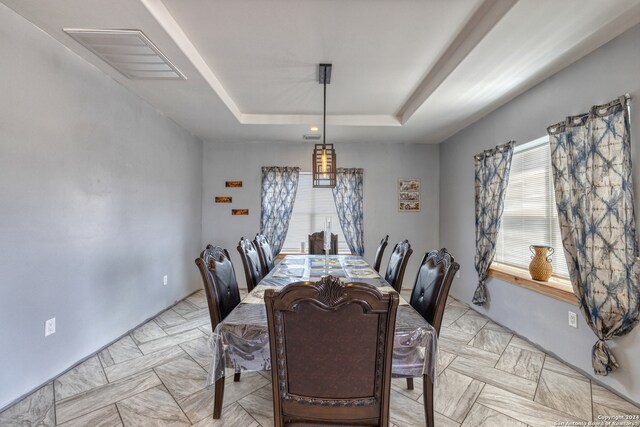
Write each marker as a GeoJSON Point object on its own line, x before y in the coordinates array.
{"type": "Point", "coordinates": [485, 17]}
{"type": "Point", "coordinates": [311, 119]}
{"type": "Point", "coordinates": [160, 12]}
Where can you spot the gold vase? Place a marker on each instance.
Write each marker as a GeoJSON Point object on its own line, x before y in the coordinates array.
{"type": "Point", "coordinates": [540, 266]}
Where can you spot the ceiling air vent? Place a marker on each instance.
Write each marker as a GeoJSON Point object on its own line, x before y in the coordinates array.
{"type": "Point", "coordinates": [311, 136]}
{"type": "Point", "coordinates": [128, 51]}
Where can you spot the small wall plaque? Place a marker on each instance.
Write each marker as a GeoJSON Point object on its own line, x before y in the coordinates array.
{"type": "Point", "coordinates": [409, 195]}
{"type": "Point", "coordinates": [233, 184]}
{"type": "Point", "coordinates": [239, 211]}
{"type": "Point", "coordinates": [223, 199]}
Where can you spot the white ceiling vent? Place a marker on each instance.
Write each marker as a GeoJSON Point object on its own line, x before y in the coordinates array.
{"type": "Point", "coordinates": [128, 51]}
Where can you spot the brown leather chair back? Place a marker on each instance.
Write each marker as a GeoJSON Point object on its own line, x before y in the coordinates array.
{"type": "Point", "coordinates": [331, 352]}
{"type": "Point", "coordinates": [397, 264]}
{"type": "Point", "coordinates": [264, 251]}
{"type": "Point", "coordinates": [378, 259]}
{"type": "Point", "coordinates": [429, 295]}
{"type": "Point", "coordinates": [220, 285]}
{"type": "Point", "coordinates": [316, 244]}
{"type": "Point", "coordinates": [251, 263]}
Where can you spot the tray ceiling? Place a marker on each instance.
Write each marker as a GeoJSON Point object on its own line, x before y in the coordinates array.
{"type": "Point", "coordinates": [403, 70]}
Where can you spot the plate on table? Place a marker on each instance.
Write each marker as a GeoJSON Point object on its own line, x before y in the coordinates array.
{"type": "Point", "coordinates": [362, 273]}
{"type": "Point", "coordinates": [289, 272]}
{"type": "Point", "coordinates": [355, 263]}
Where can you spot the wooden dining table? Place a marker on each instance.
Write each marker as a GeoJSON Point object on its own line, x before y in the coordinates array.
{"type": "Point", "coordinates": [241, 341]}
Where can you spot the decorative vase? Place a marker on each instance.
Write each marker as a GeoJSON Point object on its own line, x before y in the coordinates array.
{"type": "Point", "coordinates": [540, 266]}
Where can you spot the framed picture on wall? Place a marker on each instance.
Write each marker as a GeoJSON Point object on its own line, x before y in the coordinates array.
{"type": "Point", "coordinates": [409, 195]}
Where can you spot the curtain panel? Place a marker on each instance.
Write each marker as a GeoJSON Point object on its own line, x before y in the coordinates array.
{"type": "Point", "coordinates": [279, 186]}
{"type": "Point", "coordinates": [492, 176]}
{"type": "Point", "coordinates": [348, 195]}
{"type": "Point", "coordinates": [591, 160]}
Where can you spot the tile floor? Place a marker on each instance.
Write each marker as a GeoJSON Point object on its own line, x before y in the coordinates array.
{"type": "Point", "coordinates": [155, 376]}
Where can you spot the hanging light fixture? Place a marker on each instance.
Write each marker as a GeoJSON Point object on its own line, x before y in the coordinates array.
{"type": "Point", "coordinates": [324, 156]}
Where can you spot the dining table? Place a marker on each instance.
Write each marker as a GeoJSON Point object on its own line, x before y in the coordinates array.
{"type": "Point", "coordinates": [241, 341]}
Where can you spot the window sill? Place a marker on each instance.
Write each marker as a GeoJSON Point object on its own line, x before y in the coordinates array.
{"type": "Point", "coordinates": [556, 287]}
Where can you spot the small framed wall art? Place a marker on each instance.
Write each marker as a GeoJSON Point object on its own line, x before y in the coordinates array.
{"type": "Point", "coordinates": [233, 184]}
{"type": "Point", "coordinates": [223, 199]}
{"type": "Point", "coordinates": [409, 195]}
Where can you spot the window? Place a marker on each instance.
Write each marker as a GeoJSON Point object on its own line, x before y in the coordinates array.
{"type": "Point", "coordinates": [530, 216]}
{"type": "Point", "coordinates": [310, 209]}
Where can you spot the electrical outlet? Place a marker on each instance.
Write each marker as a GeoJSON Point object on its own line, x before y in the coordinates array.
{"type": "Point", "coordinates": [573, 319]}
{"type": "Point", "coordinates": [458, 274]}
{"type": "Point", "coordinates": [165, 280]}
{"type": "Point", "coordinates": [50, 327]}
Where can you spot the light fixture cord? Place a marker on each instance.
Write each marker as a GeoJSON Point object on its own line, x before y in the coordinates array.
{"type": "Point", "coordinates": [324, 114]}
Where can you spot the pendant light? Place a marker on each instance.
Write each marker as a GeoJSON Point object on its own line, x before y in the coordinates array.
{"type": "Point", "coordinates": [324, 156]}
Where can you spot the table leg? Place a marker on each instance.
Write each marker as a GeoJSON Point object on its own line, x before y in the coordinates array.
{"type": "Point", "coordinates": [218, 397]}
{"type": "Point", "coordinates": [409, 383]}
{"type": "Point", "coordinates": [427, 385]}
{"type": "Point", "coordinates": [236, 377]}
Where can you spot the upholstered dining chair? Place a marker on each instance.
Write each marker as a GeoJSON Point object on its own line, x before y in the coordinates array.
{"type": "Point", "coordinates": [251, 262]}
{"type": "Point", "coordinates": [311, 385]}
{"type": "Point", "coordinates": [429, 297]}
{"type": "Point", "coordinates": [316, 244]}
{"type": "Point", "coordinates": [264, 251]}
{"type": "Point", "coordinates": [379, 252]}
{"type": "Point", "coordinates": [221, 288]}
{"type": "Point", "coordinates": [397, 264]}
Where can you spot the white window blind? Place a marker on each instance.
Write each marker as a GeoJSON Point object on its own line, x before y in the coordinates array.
{"type": "Point", "coordinates": [530, 216]}
{"type": "Point", "coordinates": [311, 207]}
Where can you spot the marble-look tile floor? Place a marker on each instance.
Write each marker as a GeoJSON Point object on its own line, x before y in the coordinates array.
{"type": "Point", "coordinates": [156, 376]}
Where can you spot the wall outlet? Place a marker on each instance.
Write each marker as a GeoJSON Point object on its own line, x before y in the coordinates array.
{"type": "Point", "coordinates": [50, 327]}
{"type": "Point", "coordinates": [458, 274]}
{"type": "Point", "coordinates": [165, 280]}
{"type": "Point", "coordinates": [573, 319]}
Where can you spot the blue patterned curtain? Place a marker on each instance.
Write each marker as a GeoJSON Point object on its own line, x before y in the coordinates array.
{"type": "Point", "coordinates": [279, 186]}
{"type": "Point", "coordinates": [492, 176]}
{"type": "Point", "coordinates": [591, 159]}
{"type": "Point", "coordinates": [348, 197]}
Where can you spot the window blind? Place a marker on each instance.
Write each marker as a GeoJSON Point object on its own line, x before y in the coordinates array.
{"type": "Point", "coordinates": [530, 216]}
{"type": "Point", "coordinates": [311, 207]}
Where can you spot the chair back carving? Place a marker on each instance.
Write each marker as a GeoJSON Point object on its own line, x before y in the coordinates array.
{"type": "Point", "coordinates": [220, 285]}
{"type": "Point", "coordinates": [397, 264]}
{"type": "Point", "coordinates": [430, 291]}
{"type": "Point", "coordinates": [251, 263]}
{"type": "Point", "coordinates": [316, 244]}
{"type": "Point", "coordinates": [264, 251]}
{"type": "Point", "coordinates": [331, 351]}
{"type": "Point", "coordinates": [381, 247]}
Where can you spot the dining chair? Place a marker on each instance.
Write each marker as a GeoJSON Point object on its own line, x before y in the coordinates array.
{"type": "Point", "coordinates": [429, 297]}
{"type": "Point", "coordinates": [251, 262]}
{"type": "Point", "coordinates": [379, 252]}
{"type": "Point", "coordinates": [324, 373]}
{"type": "Point", "coordinates": [223, 295]}
{"type": "Point", "coordinates": [264, 251]}
{"type": "Point", "coordinates": [397, 264]}
{"type": "Point", "coordinates": [316, 244]}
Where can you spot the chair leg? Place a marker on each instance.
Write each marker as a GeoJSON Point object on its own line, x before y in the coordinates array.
{"type": "Point", "coordinates": [236, 377]}
{"type": "Point", "coordinates": [428, 399]}
{"type": "Point", "coordinates": [219, 396]}
{"type": "Point", "coordinates": [409, 383]}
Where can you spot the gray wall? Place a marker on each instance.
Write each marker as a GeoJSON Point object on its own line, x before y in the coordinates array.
{"type": "Point", "coordinates": [601, 76]}
{"type": "Point", "coordinates": [383, 164]}
{"type": "Point", "coordinates": [100, 196]}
